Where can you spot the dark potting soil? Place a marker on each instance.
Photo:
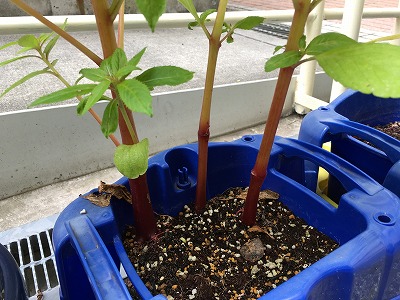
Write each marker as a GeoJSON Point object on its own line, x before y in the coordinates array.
{"type": "Point", "coordinates": [392, 129]}
{"type": "Point", "coordinates": [214, 256]}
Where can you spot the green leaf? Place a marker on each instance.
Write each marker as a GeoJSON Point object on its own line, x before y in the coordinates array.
{"type": "Point", "coordinates": [29, 41]}
{"type": "Point", "coordinates": [230, 39]}
{"type": "Point", "coordinates": [248, 23]}
{"type": "Point", "coordinates": [136, 59]}
{"type": "Point", "coordinates": [109, 124]}
{"type": "Point", "coordinates": [114, 62]}
{"type": "Point", "coordinates": [283, 60]}
{"type": "Point", "coordinates": [277, 48]}
{"type": "Point", "coordinates": [64, 94]}
{"type": "Point", "coordinates": [136, 96]}
{"type": "Point", "coordinates": [8, 45]}
{"type": "Point", "coordinates": [132, 160]}
{"type": "Point", "coordinates": [193, 24]}
{"type": "Point", "coordinates": [96, 95]}
{"type": "Point", "coordinates": [3, 63]}
{"type": "Point", "coordinates": [368, 68]}
{"type": "Point", "coordinates": [165, 75]}
{"type": "Point", "coordinates": [96, 75]}
{"type": "Point", "coordinates": [302, 43]}
{"type": "Point", "coordinates": [130, 66]}
{"type": "Point", "coordinates": [23, 79]}
{"type": "Point", "coordinates": [50, 45]}
{"type": "Point", "coordinates": [152, 10]}
{"type": "Point", "coordinates": [204, 15]}
{"type": "Point", "coordinates": [188, 4]}
{"type": "Point", "coordinates": [81, 105]}
{"type": "Point", "coordinates": [328, 41]}
{"type": "Point", "coordinates": [44, 37]}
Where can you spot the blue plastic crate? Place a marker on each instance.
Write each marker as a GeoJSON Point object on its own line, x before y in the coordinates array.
{"type": "Point", "coordinates": [366, 223]}
{"type": "Point", "coordinates": [348, 117]}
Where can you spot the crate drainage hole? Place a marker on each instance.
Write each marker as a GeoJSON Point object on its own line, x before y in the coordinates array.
{"type": "Point", "coordinates": [384, 219]}
{"type": "Point", "coordinates": [35, 258]}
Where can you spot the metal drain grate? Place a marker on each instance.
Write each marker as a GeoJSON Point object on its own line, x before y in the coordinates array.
{"type": "Point", "coordinates": [35, 257]}
{"type": "Point", "coordinates": [274, 29]}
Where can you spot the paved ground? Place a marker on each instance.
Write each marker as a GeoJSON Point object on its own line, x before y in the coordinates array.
{"type": "Point", "coordinates": [384, 25]}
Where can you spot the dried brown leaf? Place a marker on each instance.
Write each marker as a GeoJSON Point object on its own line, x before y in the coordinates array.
{"type": "Point", "coordinates": [117, 190]}
{"type": "Point", "coordinates": [102, 200]}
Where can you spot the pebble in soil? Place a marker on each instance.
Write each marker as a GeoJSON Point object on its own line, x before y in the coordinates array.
{"type": "Point", "coordinates": [214, 256]}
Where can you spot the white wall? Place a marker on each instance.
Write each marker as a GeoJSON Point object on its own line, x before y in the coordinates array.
{"type": "Point", "coordinates": [42, 146]}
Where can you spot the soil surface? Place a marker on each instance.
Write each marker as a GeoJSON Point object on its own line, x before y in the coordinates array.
{"type": "Point", "coordinates": [214, 256]}
{"type": "Point", "coordinates": [392, 129]}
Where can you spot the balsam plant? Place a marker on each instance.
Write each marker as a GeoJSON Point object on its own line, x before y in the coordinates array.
{"type": "Point", "coordinates": [221, 31]}
{"type": "Point", "coordinates": [367, 67]}
{"type": "Point", "coordinates": [117, 80]}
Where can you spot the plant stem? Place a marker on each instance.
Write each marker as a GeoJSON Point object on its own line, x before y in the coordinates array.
{"type": "Point", "coordinates": [145, 221]}
{"type": "Point", "coordinates": [128, 123]}
{"type": "Point", "coordinates": [121, 25]}
{"type": "Point", "coordinates": [28, 9]}
{"type": "Point", "coordinates": [259, 172]}
{"type": "Point", "coordinates": [214, 45]}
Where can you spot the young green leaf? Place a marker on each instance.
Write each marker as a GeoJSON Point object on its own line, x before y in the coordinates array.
{"type": "Point", "coordinates": [109, 122]}
{"type": "Point", "coordinates": [151, 10]}
{"type": "Point", "coordinates": [64, 94]}
{"type": "Point", "coordinates": [96, 95]}
{"type": "Point", "coordinates": [165, 75]}
{"type": "Point", "coordinates": [131, 66]}
{"type": "Point", "coordinates": [188, 4]}
{"type": "Point", "coordinates": [277, 48]}
{"type": "Point", "coordinates": [204, 15]}
{"type": "Point", "coordinates": [136, 59]}
{"type": "Point", "coordinates": [50, 45]}
{"type": "Point", "coordinates": [302, 43]}
{"type": "Point", "coordinates": [132, 160]}
{"type": "Point", "coordinates": [328, 41]}
{"type": "Point", "coordinates": [29, 41]}
{"type": "Point", "coordinates": [96, 75]}
{"type": "Point", "coordinates": [283, 60]}
{"type": "Point", "coordinates": [113, 63]}
{"type": "Point", "coordinates": [248, 23]}
{"type": "Point", "coordinates": [8, 45]}
{"type": "Point", "coordinates": [193, 24]}
{"type": "Point", "coordinates": [23, 79]}
{"type": "Point", "coordinates": [81, 105]}
{"type": "Point", "coordinates": [6, 62]}
{"type": "Point", "coordinates": [230, 39]}
{"type": "Point", "coordinates": [368, 68]}
{"type": "Point", "coordinates": [136, 96]}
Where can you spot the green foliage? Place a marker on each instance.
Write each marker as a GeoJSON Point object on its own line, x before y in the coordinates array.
{"type": "Point", "coordinates": [366, 67]}
{"type": "Point", "coordinates": [64, 94]}
{"type": "Point", "coordinates": [24, 79]}
{"type": "Point", "coordinates": [109, 122]}
{"type": "Point", "coordinates": [136, 96]}
{"type": "Point", "coordinates": [328, 41]}
{"type": "Point", "coordinates": [283, 60]}
{"type": "Point", "coordinates": [248, 23]}
{"type": "Point", "coordinates": [164, 75]}
{"type": "Point", "coordinates": [42, 45]}
{"type": "Point", "coordinates": [131, 160]}
{"type": "Point", "coordinates": [152, 10]}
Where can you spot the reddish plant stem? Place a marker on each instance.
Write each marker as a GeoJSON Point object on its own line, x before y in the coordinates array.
{"type": "Point", "coordinates": [204, 127]}
{"type": "Point", "coordinates": [203, 133]}
{"type": "Point", "coordinates": [145, 221]}
{"type": "Point", "coordinates": [259, 171]}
